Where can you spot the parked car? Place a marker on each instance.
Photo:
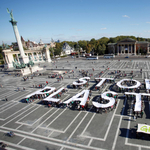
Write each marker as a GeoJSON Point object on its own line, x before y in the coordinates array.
{"type": "Point", "coordinates": [87, 55]}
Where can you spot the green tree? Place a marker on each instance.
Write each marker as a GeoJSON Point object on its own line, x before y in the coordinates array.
{"type": "Point", "coordinates": [88, 48]}
{"type": "Point", "coordinates": [57, 52]}
{"type": "Point", "coordinates": [51, 51]}
{"type": "Point", "coordinates": [101, 49]}
{"type": "Point", "coordinates": [103, 40]}
{"type": "Point", "coordinates": [83, 44]}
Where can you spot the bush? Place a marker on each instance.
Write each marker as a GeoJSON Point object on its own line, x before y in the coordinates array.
{"type": "Point", "coordinates": [63, 56]}
{"type": "Point", "coordinates": [1, 61]}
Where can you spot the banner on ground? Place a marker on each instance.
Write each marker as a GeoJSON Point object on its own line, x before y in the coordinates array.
{"type": "Point", "coordinates": [143, 128]}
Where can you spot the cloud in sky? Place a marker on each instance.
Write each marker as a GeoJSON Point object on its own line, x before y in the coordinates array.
{"type": "Point", "coordinates": [103, 28]}
{"type": "Point", "coordinates": [125, 16]}
{"type": "Point", "coordinates": [147, 31]}
{"type": "Point", "coordinates": [147, 22]}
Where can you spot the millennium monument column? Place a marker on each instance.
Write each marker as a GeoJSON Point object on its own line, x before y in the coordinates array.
{"type": "Point", "coordinates": [22, 58]}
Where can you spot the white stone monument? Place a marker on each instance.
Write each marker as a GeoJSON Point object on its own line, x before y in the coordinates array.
{"type": "Point", "coordinates": [22, 58]}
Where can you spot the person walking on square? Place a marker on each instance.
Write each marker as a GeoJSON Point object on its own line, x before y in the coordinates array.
{"type": "Point", "coordinates": [6, 98]}
{"type": "Point", "coordinates": [142, 114]}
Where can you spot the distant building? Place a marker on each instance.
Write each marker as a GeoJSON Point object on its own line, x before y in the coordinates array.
{"type": "Point", "coordinates": [32, 45]}
{"type": "Point", "coordinates": [41, 43]}
{"type": "Point", "coordinates": [58, 41]}
{"type": "Point", "coordinates": [5, 46]}
{"type": "Point", "coordinates": [67, 50]}
{"type": "Point", "coordinates": [128, 46]}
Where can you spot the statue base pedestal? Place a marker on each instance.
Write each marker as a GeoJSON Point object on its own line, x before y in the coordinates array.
{"type": "Point", "coordinates": [26, 71]}
{"type": "Point", "coordinates": [7, 66]}
{"type": "Point", "coordinates": [24, 59]}
{"type": "Point", "coordinates": [49, 60]}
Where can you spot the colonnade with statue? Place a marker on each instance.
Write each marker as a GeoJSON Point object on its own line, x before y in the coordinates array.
{"type": "Point", "coordinates": [35, 56]}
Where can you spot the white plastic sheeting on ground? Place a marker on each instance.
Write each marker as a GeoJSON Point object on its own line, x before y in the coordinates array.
{"type": "Point", "coordinates": [128, 87]}
{"type": "Point", "coordinates": [147, 82]}
{"type": "Point", "coordinates": [50, 97]}
{"type": "Point", "coordinates": [102, 81]}
{"type": "Point", "coordinates": [51, 89]}
{"type": "Point", "coordinates": [144, 128]}
{"type": "Point", "coordinates": [82, 99]}
{"type": "Point", "coordinates": [138, 100]}
{"type": "Point", "coordinates": [110, 99]}
{"type": "Point", "coordinates": [82, 81]}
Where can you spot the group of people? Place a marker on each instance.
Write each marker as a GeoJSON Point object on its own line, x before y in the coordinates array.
{"type": "Point", "coordinates": [75, 105]}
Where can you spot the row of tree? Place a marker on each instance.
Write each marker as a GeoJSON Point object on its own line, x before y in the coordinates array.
{"type": "Point", "coordinates": [98, 46]}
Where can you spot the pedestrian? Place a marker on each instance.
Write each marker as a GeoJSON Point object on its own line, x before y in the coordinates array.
{"type": "Point", "coordinates": [6, 98]}
{"type": "Point", "coordinates": [142, 114]}
{"type": "Point", "coordinates": [24, 88]}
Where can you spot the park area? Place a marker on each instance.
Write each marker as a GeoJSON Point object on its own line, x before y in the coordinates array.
{"type": "Point", "coordinates": [83, 105]}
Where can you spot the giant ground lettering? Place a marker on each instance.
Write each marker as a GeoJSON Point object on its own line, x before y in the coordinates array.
{"type": "Point", "coordinates": [85, 94]}
{"type": "Point", "coordinates": [110, 99]}
{"type": "Point", "coordinates": [81, 81]}
{"type": "Point", "coordinates": [77, 97]}
{"type": "Point", "coordinates": [119, 84]}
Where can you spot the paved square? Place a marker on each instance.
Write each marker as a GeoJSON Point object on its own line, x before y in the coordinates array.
{"type": "Point", "coordinates": [39, 127]}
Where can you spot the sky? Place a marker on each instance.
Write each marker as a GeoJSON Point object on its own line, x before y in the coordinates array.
{"type": "Point", "coordinates": [74, 20]}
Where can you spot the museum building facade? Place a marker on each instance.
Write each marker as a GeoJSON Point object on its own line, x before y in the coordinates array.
{"type": "Point", "coordinates": [129, 46]}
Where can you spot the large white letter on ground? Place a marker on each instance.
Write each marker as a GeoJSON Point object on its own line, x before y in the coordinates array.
{"type": "Point", "coordinates": [128, 87]}
{"type": "Point", "coordinates": [76, 97]}
{"type": "Point", "coordinates": [138, 99]}
{"type": "Point", "coordinates": [50, 97]}
{"type": "Point", "coordinates": [82, 81]}
{"type": "Point", "coordinates": [147, 82]}
{"type": "Point", "coordinates": [41, 91]}
{"type": "Point", "coordinates": [102, 81]}
{"type": "Point", "coordinates": [104, 96]}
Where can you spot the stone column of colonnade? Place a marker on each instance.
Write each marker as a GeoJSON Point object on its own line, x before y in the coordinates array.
{"type": "Point", "coordinates": [37, 56]}
{"type": "Point", "coordinates": [32, 56]}
{"type": "Point", "coordinates": [124, 48]}
{"type": "Point", "coordinates": [42, 56]}
{"type": "Point", "coordinates": [6, 59]}
{"type": "Point", "coordinates": [17, 57]}
{"type": "Point", "coordinates": [134, 49]}
{"type": "Point", "coordinates": [118, 49]}
{"type": "Point", "coordinates": [128, 48]}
